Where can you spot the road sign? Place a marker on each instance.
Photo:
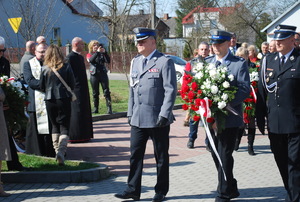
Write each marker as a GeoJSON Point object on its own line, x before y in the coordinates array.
{"type": "Point", "coordinates": [15, 23]}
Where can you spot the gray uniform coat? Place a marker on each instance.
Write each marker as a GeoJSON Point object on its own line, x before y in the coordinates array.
{"type": "Point", "coordinates": [239, 69]}
{"type": "Point", "coordinates": [152, 91]}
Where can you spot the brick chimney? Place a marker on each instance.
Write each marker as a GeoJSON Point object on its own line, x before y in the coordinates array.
{"type": "Point", "coordinates": [166, 16]}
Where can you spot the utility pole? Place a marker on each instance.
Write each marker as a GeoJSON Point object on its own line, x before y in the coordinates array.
{"type": "Point", "coordinates": [153, 13]}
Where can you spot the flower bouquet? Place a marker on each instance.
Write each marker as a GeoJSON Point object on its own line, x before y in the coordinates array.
{"type": "Point", "coordinates": [15, 102]}
{"type": "Point", "coordinates": [210, 87]}
{"type": "Point", "coordinates": [249, 103]}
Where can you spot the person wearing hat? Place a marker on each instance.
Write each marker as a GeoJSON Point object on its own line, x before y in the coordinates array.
{"type": "Point", "coordinates": [279, 86]}
{"type": "Point", "coordinates": [225, 140]}
{"type": "Point", "coordinates": [153, 89]}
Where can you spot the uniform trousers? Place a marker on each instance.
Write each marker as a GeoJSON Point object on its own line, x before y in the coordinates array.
{"type": "Point", "coordinates": [286, 150]}
{"type": "Point", "coordinates": [225, 142]}
{"type": "Point", "coordinates": [138, 141]}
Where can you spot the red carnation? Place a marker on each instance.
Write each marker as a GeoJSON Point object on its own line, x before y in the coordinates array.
{"type": "Point", "coordinates": [196, 118]}
{"type": "Point", "coordinates": [199, 92]}
{"type": "Point", "coordinates": [254, 83]}
{"type": "Point", "coordinates": [197, 102]}
{"type": "Point", "coordinates": [185, 88]}
{"type": "Point", "coordinates": [185, 107]}
{"type": "Point", "coordinates": [248, 108]}
{"type": "Point", "coordinates": [194, 108]}
{"type": "Point", "coordinates": [191, 95]}
{"type": "Point", "coordinates": [194, 86]}
{"type": "Point", "coordinates": [210, 120]}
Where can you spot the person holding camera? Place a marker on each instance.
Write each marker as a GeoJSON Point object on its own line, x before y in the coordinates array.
{"type": "Point", "coordinates": [97, 57]}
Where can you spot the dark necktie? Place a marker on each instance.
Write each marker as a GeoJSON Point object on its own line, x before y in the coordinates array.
{"type": "Point", "coordinates": [144, 63]}
{"type": "Point", "coordinates": [282, 59]}
{"type": "Point", "coordinates": [218, 63]}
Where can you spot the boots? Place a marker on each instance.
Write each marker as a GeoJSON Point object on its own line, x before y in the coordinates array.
{"type": "Point", "coordinates": [55, 138]}
{"type": "Point", "coordinates": [96, 105]}
{"type": "Point", "coordinates": [251, 136]}
{"type": "Point", "coordinates": [62, 148]}
{"type": "Point", "coordinates": [108, 105]}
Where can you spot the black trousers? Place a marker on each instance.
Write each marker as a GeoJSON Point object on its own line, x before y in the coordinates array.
{"type": "Point", "coordinates": [286, 150]}
{"type": "Point", "coordinates": [100, 77]}
{"type": "Point", "coordinates": [138, 141]}
{"type": "Point", "coordinates": [14, 164]}
{"type": "Point", "coordinates": [225, 142]}
{"type": "Point", "coordinates": [59, 112]}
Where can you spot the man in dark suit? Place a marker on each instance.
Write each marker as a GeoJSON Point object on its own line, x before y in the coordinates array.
{"type": "Point", "coordinates": [81, 125]}
{"type": "Point", "coordinates": [225, 140]}
{"type": "Point", "coordinates": [233, 44]}
{"type": "Point", "coordinates": [151, 100]}
{"type": "Point", "coordinates": [279, 87]}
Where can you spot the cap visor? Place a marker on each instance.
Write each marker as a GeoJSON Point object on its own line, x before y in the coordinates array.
{"type": "Point", "coordinates": [214, 41]}
{"type": "Point", "coordinates": [142, 38]}
{"type": "Point", "coordinates": [282, 35]}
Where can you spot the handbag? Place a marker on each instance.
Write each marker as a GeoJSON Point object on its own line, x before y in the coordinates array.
{"type": "Point", "coordinates": [65, 84]}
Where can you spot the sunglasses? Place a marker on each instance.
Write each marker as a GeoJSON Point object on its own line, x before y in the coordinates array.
{"type": "Point", "coordinates": [3, 50]}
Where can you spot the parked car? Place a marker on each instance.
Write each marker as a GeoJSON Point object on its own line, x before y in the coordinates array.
{"type": "Point", "coordinates": [179, 66]}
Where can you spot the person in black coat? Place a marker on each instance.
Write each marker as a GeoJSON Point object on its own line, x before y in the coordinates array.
{"type": "Point", "coordinates": [4, 63]}
{"type": "Point", "coordinates": [58, 98]}
{"type": "Point", "coordinates": [279, 87]}
{"type": "Point", "coordinates": [81, 126]}
{"type": "Point", "coordinates": [97, 57]}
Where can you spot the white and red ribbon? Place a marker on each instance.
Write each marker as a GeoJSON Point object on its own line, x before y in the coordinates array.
{"type": "Point", "coordinates": [205, 113]}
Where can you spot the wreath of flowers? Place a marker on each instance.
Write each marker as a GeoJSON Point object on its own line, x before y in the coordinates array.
{"type": "Point", "coordinates": [15, 100]}
{"type": "Point", "coordinates": [250, 102]}
{"type": "Point", "coordinates": [210, 82]}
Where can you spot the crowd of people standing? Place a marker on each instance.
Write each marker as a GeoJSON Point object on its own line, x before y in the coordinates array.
{"type": "Point", "coordinates": [153, 92]}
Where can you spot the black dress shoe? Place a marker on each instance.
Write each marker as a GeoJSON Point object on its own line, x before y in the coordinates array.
{"type": "Point", "coordinates": [158, 198]}
{"type": "Point", "coordinates": [190, 144]}
{"type": "Point", "coordinates": [126, 195]}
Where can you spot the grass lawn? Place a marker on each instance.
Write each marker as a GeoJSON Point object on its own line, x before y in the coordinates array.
{"type": "Point", "coordinates": [38, 163]}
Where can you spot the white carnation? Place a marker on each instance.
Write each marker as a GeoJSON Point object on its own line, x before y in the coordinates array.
{"type": "Point", "coordinates": [221, 104]}
{"type": "Point", "coordinates": [199, 75]}
{"type": "Point", "coordinates": [214, 89]}
{"type": "Point", "coordinates": [231, 77]}
{"type": "Point", "coordinates": [197, 67]}
{"type": "Point", "coordinates": [226, 84]}
{"type": "Point", "coordinates": [224, 97]}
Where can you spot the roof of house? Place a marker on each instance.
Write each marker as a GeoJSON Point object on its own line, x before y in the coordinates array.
{"type": "Point", "coordinates": [280, 17]}
{"type": "Point", "coordinates": [84, 7]}
{"type": "Point", "coordinates": [171, 22]}
{"type": "Point", "coordinates": [189, 18]}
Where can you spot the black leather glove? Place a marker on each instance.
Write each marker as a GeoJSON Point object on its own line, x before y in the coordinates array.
{"type": "Point", "coordinates": [161, 121]}
{"type": "Point", "coordinates": [129, 120]}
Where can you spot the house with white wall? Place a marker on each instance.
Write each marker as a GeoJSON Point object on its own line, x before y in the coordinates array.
{"type": "Point", "coordinates": [290, 17]}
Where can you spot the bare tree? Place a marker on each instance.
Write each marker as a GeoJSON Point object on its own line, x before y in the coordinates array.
{"type": "Point", "coordinates": [38, 16]}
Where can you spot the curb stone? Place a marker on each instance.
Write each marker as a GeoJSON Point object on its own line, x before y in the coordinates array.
{"type": "Point", "coordinates": [77, 176]}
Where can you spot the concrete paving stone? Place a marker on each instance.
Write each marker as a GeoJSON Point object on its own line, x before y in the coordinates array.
{"type": "Point", "coordinates": [193, 175]}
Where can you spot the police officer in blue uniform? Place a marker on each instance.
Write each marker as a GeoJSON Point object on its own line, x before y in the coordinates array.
{"type": "Point", "coordinates": [279, 87]}
{"type": "Point", "coordinates": [153, 89]}
{"type": "Point", "coordinates": [225, 140]}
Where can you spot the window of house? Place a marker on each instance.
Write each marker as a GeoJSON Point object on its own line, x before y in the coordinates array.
{"type": "Point", "coordinates": [56, 33]}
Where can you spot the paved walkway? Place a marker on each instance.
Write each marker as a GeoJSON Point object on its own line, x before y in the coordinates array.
{"type": "Point", "coordinates": [193, 175]}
